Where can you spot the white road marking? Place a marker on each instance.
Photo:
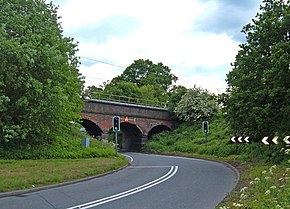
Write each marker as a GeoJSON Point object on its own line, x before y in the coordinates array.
{"type": "Point", "coordinates": [151, 166]}
{"type": "Point", "coordinates": [128, 156]}
{"type": "Point", "coordinates": [173, 170]}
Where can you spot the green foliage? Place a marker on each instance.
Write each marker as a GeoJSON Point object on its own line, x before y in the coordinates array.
{"type": "Point", "coordinates": [65, 146]}
{"type": "Point", "coordinates": [143, 79]}
{"type": "Point", "coordinates": [175, 95]}
{"type": "Point", "coordinates": [39, 80]}
{"type": "Point", "coordinates": [148, 92]}
{"type": "Point", "coordinates": [196, 105]}
{"type": "Point", "coordinates": [191, 140]}
{"type": "Point", "coordinates": [257, 102]}
{"type": "Point", "coordinates": [123, 88]}
{"type": "Point", "coordinates": [144, 72]}
{"type": "Point", "coordinates": [267, 189]}
{"type": "Point", "coordinates": [92, 92]}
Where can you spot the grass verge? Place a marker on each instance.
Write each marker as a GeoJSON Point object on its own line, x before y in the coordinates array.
{"type": "Point", "coordinates": [260, 186]}
{"type": "Point", "coordinates": [28, 174]}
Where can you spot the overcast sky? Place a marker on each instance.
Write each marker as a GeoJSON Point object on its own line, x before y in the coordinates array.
{"type": "Point", "coordinates": [196, 39]}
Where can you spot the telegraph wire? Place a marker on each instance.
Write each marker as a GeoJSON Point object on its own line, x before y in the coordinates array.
{"type": "Point", "coordinates": [99, 61]}
{"type": "Point", "coordinates": [119, 66]}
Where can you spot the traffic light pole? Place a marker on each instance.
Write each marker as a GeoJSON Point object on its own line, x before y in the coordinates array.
{"type": "Point", "coordinates": [116, 129]}
{"type": "Point", "coordinates": [116, 142]}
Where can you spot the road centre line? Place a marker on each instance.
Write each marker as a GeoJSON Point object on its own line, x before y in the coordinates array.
{"type": "Point", "coordinates": [173, 170]}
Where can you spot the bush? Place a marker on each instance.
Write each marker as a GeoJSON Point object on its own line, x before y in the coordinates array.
{"type": "Point", "coordinates": [67, 146]}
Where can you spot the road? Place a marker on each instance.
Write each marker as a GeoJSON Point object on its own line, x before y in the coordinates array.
{"type": "Point", "coordinates": [151, 182]}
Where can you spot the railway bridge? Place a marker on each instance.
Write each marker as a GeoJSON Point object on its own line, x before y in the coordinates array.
{"type": "Point", "coordinates": [138, 122]}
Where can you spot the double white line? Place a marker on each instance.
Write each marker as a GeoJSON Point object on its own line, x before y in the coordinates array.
{"type": "Point", "coordinates": [171, 173]}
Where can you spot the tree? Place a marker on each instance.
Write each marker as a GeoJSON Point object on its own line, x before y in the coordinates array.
{"type": "Point", "coordinates": [123, 88]}
{"type": "Point", "coordinates": [257, 102]}
{"type": "Point", "coordinates": [196, 105]}
{"type": "Point", "coordinates": [148, 92]}
{"type": "Point", "coordinates": [39, 80]}
{"type": "Point", "coordinates": [144, 72]}
{"type": "Point", "coordinates": [175, 95]}
{"type": "Point", "coordinates": [93, 92]}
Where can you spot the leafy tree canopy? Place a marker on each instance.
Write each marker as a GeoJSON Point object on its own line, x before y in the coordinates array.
{"type": "Point", "coordinates": [142, 79]}
{"type": "Point", "coordinates": [92, 92]}
{"type": "Point", "coordinates": [258, 96]}
{"type": "Point", "coordinates": [144, 72]}
{"type": "Point", "coordinates": [123, 88]}
{"type": "Point", "coordinates": [175, 95]}
{"type": "Point", "coordinates": [196, 105]}
{"type": "Point", "coordinates": [39, 80]}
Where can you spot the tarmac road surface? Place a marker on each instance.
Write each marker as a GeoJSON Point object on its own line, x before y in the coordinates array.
{"type": "Point", "coordinates": [151, 182]}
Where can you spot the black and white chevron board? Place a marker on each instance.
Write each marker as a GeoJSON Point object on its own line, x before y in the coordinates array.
{"type": "Point", "coordinates": [240, 139]}
{"type": "Point", "coordinates": [266, 140]}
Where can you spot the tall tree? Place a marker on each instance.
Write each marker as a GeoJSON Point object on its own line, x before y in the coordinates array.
{"type": "Point", "coordinates": [258, 94]}
{"type": "Point", "coordinates": [175, 95]}
{"type": "Point", "coordinates": [145, 73]}
{"type": "Point", "coordinates": [39, 80]}
{"type": "Point", "coordinates": [123, 88]}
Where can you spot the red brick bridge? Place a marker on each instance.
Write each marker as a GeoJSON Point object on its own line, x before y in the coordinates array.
{"type": "Point", "coordinates": [138, 123]}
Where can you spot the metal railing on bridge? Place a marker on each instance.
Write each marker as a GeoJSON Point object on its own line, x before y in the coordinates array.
{"type": "Point", "coordinates": [128, 100]}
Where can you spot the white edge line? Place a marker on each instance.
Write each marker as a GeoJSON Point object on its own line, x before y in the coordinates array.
{"type": "Point", "coordinates": [173, 170]}
{"type": "Point", "coordinates": [128, 156]}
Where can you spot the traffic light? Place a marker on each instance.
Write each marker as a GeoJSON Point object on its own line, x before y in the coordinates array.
{"type": "Point", "coordinates": [205, 127]}
{"type": "Point", "coordinates": [116, 123]}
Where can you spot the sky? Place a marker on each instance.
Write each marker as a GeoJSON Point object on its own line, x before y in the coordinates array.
{"type": "Point", "coordinates": [196, 39]}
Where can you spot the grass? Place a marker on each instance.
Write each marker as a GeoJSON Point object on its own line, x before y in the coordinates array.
{"type": "Point", "coordinates": [27, 174]}
{"type": "Point", "coordinates": [260, 186]}
{"type": "Point", "coordinates": [25, 166]}
{"type": "Point", "coordinates": [264, 170]}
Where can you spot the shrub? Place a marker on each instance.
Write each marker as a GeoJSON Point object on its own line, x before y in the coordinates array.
{"type": "Point", "coordinates": [64, 146]}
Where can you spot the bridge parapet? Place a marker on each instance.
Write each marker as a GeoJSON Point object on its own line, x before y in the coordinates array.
{"type": "Point", "coordinates": [100, 96]}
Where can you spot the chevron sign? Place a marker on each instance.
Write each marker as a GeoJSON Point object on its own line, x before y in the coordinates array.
{"type": "Point", "coordinates": [267, 141]}
{"type": "Point", "coordinates": [240, 139]}
{"type": "Point", "coordinates": [286, 140]}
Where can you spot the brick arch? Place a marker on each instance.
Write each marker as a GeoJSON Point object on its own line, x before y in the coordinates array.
{"type": "Point", "coordinates": [134, 124]}
{"type": "Point", "coordinates": [92, 128]}
{"type": "Point", "coordinates": [157, 129]}
{"type": "Point", "coordinates": [103, 121]}
{"type": "Point", "coordinates": [147, 124]}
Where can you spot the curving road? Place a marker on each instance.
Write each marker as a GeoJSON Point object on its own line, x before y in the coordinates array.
{"type": "Point", "coordinates": [151, 182]}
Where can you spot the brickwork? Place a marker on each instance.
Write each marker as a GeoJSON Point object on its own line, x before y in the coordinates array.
{"type": "Point", "coordinates": [144, 118]}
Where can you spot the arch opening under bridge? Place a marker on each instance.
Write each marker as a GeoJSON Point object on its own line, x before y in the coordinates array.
{"type": "Point", "coordinates": [92, 128]}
